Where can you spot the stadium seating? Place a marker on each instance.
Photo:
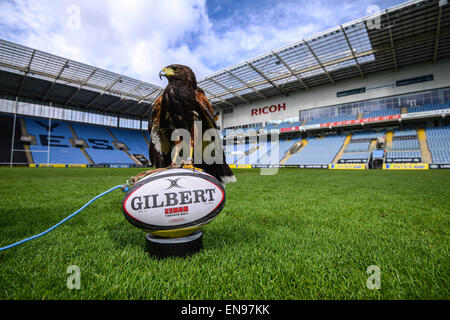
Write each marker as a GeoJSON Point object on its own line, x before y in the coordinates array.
{"type": "Point", "coordinates": [61, 150]}
{"type": "Point", "coordinates": [58, 155]}
{"type": "Point", "coordinates": [288, 125]}
{"type": "Point", "coordinates": [381, 113]}
{"type": "Point", "coordinates": [335, 119]}
{"type": "Point", "coordinates": [270, 127]}
{"type": "Point", "coordinates": [403, 154]}
{"type": "Point", "coordinates": [409, 144]}
{"type": "Point", "coordinates": [247, 159]}
{"type": "Point", "coordinates": [133, 139]}
{"type": "Point", "coordinates": [230, 158]}
{"type": "Point", "coordinates": [369, 135]}
{"type": "Point", "coordinates": [429, 107]}
{"type": "Point", "coordinates": [264, 153]}
{"type": "Point", "coordinates": [405, 133]}
{"type": "Point", "coordinates": [356, 155]}
{"type": "Point", "coordinates": [268, 155]}
{"type": "Point", "coordinates": [101, 150]}
{"type": "Point", "coordinates": [358, 146]}
{"type": "Point", "coordinates": [438, 140]}
{"type": "Point", "coordinates": [405, 140]}
{"type": "Point", "coordinates": [318, 151]}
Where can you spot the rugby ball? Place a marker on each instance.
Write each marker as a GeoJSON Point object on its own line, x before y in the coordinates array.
{"type": "Point", "coordinates": [174, 202]}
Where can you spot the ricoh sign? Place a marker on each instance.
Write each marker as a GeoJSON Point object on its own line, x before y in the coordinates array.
{"type": "Point", "coordinates": [268, 109]}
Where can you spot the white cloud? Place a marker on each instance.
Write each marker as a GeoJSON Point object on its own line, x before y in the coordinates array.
{"type": "Point", "coordinates": [139, 37]}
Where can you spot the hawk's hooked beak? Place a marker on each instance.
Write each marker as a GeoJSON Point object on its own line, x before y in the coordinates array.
{"type": "Point", "coordinates": [166, 72]}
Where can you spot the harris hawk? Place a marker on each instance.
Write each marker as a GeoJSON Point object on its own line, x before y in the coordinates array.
{"type": "Point", "coordinates": [181, 105]}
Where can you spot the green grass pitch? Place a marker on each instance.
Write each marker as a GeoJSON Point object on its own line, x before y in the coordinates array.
{"type": "Point", "coordinates": [299, 234]}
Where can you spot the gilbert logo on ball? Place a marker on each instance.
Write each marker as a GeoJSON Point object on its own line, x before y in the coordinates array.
{"type": "Point", "coordinates": [174, 203]}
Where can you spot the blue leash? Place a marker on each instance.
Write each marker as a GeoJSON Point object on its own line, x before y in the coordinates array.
{"type": "Point", "coordinates": [65, 219]}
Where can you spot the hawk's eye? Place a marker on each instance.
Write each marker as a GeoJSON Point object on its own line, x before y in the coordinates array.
{"type": "Point", "coordinates": [175, 69]}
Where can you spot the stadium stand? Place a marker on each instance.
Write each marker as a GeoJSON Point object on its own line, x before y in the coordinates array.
{"type": "Point", "coordinates": [335, 119]}
{"type": "Point", "coordinates": [438, 139]}
{"type": "Point", "coordinates": [271, 156]}
{"type": "Point", "coordinates": [429, 107]}
{"type": "Point", "coordinates": [249, 156]}
{"type": "Point", "coordinates": [61, 150]}
{"type": "Point", "coordinates": [381, 113]}
{"type": "Point", "coordinates": [403, 154]}
{"type": "Point", "coordinates": [405, 140]}
{"type": "Point", "coordinates": [364, 156]}
{"type": "Point", "coordinates": [318, 151]}
{"type": "Point", "coordinates": [101, 149]}
{"type": "Point", "coordinates": [358, 146]}
{"type": "Point", "coordinates": [99, 143]}
{"type": "Point", "coordinates": [405, 144]}
{"type": "Point", "coordinates": [288, 125]}
{"type": "Point", "coordinates": [264, 153]}
{"type": "Point", "coordinates": [133, 139]}
{"type": "Point", "coordinates": [367, 135]}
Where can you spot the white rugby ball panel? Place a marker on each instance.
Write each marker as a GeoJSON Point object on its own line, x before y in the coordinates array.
{"type": "Point", "coordinates": [174, 199]}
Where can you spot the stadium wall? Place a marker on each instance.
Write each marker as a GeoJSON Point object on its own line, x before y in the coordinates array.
{"type": "Point", "coordinates": [378, 85]}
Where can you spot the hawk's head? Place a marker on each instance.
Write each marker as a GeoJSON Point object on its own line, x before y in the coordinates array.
{"type": "Point", "coordinates": [179, 73]}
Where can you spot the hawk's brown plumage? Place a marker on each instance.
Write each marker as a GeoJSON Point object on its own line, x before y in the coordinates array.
{"type": "Point", "coordinates": [182, 103]}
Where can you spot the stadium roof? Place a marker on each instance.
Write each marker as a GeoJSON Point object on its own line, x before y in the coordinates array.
{"type": "Point", "coordinates": [415, 31]}
{"type": "Point", "coordinates": [39, 75]}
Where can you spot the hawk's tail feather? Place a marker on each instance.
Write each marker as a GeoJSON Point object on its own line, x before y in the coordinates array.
{"type": "Point", "coordinates": [221, 172]}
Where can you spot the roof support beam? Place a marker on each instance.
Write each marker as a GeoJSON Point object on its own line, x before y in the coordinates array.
{"type": "Point", "coordinates": [391, 39]}
{"type": "Point", "coordinates": [222, 100]}
{"type": "Point", "coordinates": [27, 69]}
{"type": "Point", "coordinates": [124, 96]}
{"type": "Point", "coordinates": [353, 52]}
{"type": "Point", "coordinates": [104, 91]}
{"type": "Point", "coordinates": [143, 98]}
{"type": "Point", "coordinates": [245, 84]}
{"type": "Point", "coordinates": [290, 70]}
{"type": "Point", "coordinates": [66, 65]}
{"type": "Point", "coordinates": [267, 79]}
{"type": "Point", "coordinates": [80, 86]}
{"type": "Point", "coordinates": [228, 89]}
{"type": "Point", "coordinates": [318, 61]}
{"type": "Point", "coordinates": [438, 33]}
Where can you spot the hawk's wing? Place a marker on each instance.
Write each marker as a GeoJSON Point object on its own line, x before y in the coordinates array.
{"type": "Point", "coordinates": [206, 108]}
{"type": "Point", "coordinates": [219, 170]}
{"type": "Point", "coordinates": [160, 144]}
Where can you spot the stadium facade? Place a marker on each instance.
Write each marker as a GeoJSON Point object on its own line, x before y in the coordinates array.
{"type": "Point", "coordinates": [371, 93]}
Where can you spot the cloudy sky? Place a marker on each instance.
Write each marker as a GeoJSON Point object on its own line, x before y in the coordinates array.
{"type": "Point", "coordinates": [139, 37]}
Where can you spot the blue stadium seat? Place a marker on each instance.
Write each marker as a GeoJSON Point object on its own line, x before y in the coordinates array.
{"type": "Point", "coordinates": [268, 154]}
{"type": "Point", "coordinates": [381, 113]}
{"type": "Point", "coordinates": [429, 107]}
{"type": "Point", "coordinates": [367, 135]}
{"type": "Point", "coordinates": [133, 139]}
{"type": "Point", "coordinates": [356, 155]}
{"type": "Point", "coordinates": [403, 154]}
{"type": "Point", "coordinates": [101, 148]}
{"type": "Point", "coordinates": [318, 151]}
{"type": "Point", "coordinates": [438, 140]}
{"type": "Point", "coordinates": [61, 151]}
{"type": "Point", "coordinates": [335, 119]}
{"type": "Point", "coordinates": [358, 146]}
